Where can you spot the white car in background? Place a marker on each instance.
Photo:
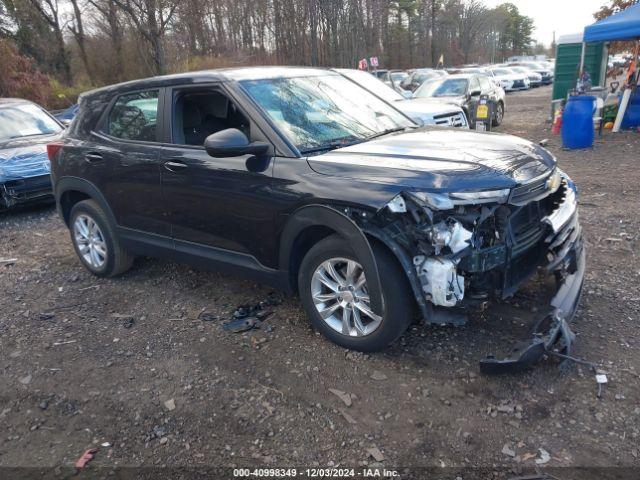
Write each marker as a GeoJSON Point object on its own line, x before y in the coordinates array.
{"type": "Point", "coordinates": [535, 79]}
{"type": "Point", "coordinates": [508, 79]}
{"type": "Point", "coordinates": [441, 113]}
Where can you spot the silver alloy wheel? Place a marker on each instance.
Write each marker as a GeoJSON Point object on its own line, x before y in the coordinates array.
{"type": "Point", "coordinates": [90, 241]}
{"type": "Point", "coordinates": [339, 292]}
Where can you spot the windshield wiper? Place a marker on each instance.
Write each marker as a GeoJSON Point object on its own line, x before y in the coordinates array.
{"type": "Point", "coordinates": [387, 132]}
{"type": "Point", "coordinates": [30, 135]}
{"type": "Point", "coordinates": [331, 146]}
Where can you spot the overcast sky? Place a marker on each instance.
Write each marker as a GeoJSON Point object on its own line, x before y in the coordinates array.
{"type": "Point", "coordinates": [561, 16]}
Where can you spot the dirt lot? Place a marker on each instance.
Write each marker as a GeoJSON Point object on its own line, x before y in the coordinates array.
{"type": "Point", "coordinates": [86, 361]}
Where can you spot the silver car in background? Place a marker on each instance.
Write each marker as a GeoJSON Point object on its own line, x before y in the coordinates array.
{"type": "Point", "coordinates": [442, 113]}
{"type": "Point", "coordinates": [508, 79]}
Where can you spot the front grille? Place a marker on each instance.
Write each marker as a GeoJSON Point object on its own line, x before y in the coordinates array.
{"type": "Point", "coordinates": [526, 228]}
{"type": "Point", "coordinates": [450, 119]}
{"type": "Point", "coordinates": [531, 191]}
{"type": "Point", "coordinates": [518, 84]}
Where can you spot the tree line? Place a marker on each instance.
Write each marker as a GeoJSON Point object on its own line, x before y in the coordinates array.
{"type": "Point", "coordinates": [102, 41]}
{"type": "Point", "coordinates": [75, 44]}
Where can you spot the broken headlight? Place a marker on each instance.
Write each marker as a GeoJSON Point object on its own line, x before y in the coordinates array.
{"type": "Point", "coordinates": [448, 200]}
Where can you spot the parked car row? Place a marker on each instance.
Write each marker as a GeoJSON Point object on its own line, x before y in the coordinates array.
{"type": "Point", "coordinates": [510, 76]}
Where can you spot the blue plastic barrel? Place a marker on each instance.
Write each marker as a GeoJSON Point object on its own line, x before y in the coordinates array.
{"type": "Point", "coordinates": [632, 115]}
{"type": "Point", "coordinates": [577, 122]}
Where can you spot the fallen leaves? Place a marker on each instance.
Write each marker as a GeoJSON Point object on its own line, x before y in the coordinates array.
{"type": "Point", "coordinates": [376, 454]}
{"type": "Point", "coordinates": [344, 396]}
{"type": "Point", "coordinates": [170, 404]}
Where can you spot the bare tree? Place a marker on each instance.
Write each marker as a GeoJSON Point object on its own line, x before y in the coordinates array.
{"type": "Point", "coordinates": [76, 27]}
{"type": "Point", "coordinates": [108, 20]}
{"type": "Point", "coordinates": [49, 11]}
{"type": "Point", "coordinates": [151, 18]}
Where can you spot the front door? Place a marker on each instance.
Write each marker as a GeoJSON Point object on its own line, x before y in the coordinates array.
{"type": "Point", "coordinates": [214, 202]}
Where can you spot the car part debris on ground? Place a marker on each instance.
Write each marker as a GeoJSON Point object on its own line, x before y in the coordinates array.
{"type": "Point", "coordinates": [208, 317]}
{"type": "Point", "coordinates": [249, 317]}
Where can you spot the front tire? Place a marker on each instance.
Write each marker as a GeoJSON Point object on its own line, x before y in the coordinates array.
{"type": "Point", "coordinates": [95, 241]}
{"type": "Point", "coordinates": [333, 291]}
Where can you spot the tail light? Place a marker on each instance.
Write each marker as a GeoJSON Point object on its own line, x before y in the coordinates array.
{"type": "Point", "coordinates": [53, 149]}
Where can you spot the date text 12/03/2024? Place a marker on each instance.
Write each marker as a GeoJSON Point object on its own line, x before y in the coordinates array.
{"type": "Point", "coordinates": [314, 473]}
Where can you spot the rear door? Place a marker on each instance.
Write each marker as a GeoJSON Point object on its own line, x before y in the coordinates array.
{"type": "Point", "coordinates": [125, 155]}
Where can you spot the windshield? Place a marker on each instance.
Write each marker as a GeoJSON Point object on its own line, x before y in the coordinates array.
{"type": "Point", "coordinates": [448, 87]}
{"type": "Point", "coordinates": [501, 71]}
{"type": "Point", "coordinates": [324, 111]}
{"type": "Point", "coordinates": [25, 120]}
{"type": "Point", "coordinates": [398, 76]}
{"type": "Point", "coordinates": [374, 85]}
{"type": "Point", "coordinates": [422, 76]}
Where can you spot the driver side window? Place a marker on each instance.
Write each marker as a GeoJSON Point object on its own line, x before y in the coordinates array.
{"type": "Point", "coordinates": [199, 113]}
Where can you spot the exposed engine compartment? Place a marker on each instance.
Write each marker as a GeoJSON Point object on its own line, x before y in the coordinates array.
{"type": "Point", "coordinates": [473, 252]}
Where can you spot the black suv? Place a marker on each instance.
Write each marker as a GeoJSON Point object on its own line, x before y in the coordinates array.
{"type": "Point", "coordinates": [304, 180]}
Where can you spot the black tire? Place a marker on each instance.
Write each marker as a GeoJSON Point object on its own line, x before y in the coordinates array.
{"type": "Point", "coordinates": [497, 119]}
{"type": "Point", "coordinates": [397, 295]}
{"type": "Point", "coordinates": [118, 260]}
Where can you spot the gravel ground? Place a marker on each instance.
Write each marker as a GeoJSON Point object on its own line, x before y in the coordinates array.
{"type": "Point", "coordinates": [129, 361]}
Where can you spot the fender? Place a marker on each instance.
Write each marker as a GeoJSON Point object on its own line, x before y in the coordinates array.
{"type": "Point", "coordinates": [66, 184]}
{"type": "Point", "coordinates": [322, 215]}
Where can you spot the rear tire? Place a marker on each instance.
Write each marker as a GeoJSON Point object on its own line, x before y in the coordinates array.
{"type": "Point", "coordinates": [373, 334]}
{"type": "Point", "coordinates": [95, 241]}
{"type": "Point", "coordinates": [498, 117]}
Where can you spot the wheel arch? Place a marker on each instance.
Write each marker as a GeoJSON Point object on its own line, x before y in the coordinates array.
{"type": "Point", "coordinates": [312, 223]}
{"type": "Point", "coordinates": [404, 260]}
{"type": "Point", "coordinates": [71, 190]}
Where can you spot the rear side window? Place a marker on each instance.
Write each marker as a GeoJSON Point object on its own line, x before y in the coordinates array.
{"type": "Point", "coordinates": [474, 86]}
{"type": "Point", "coordinates": [485, 84]}
{"type": "Point", "coordinates": [134, 116]}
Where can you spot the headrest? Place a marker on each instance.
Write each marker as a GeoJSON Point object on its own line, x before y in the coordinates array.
{"type": "Point", "coordinates": [192, 117]}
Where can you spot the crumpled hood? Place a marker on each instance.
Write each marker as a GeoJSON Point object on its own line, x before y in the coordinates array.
{"type": "Point", "coordinates": [434, 158]}
{"type": "Point", "coordinates": [25, 158]}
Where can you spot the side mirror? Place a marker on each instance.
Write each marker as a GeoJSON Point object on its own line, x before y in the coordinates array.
{"type": "Point", "coordinates": [233, 143]}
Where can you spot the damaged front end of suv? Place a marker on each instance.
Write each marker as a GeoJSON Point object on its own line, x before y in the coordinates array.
{"type": "Point", "coordinates": [462, 249]}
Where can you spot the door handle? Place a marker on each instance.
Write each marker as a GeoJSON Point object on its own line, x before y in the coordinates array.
{"type": "Point", "coordinates": [93, 157]}
{"type": "Point", "coordinates": [175, 165]}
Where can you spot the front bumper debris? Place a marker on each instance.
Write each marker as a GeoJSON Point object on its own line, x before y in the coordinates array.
{"type": "Point", "coordinates": [27, 190]}
{"type": "Point", "coordinates": [551, 333]}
